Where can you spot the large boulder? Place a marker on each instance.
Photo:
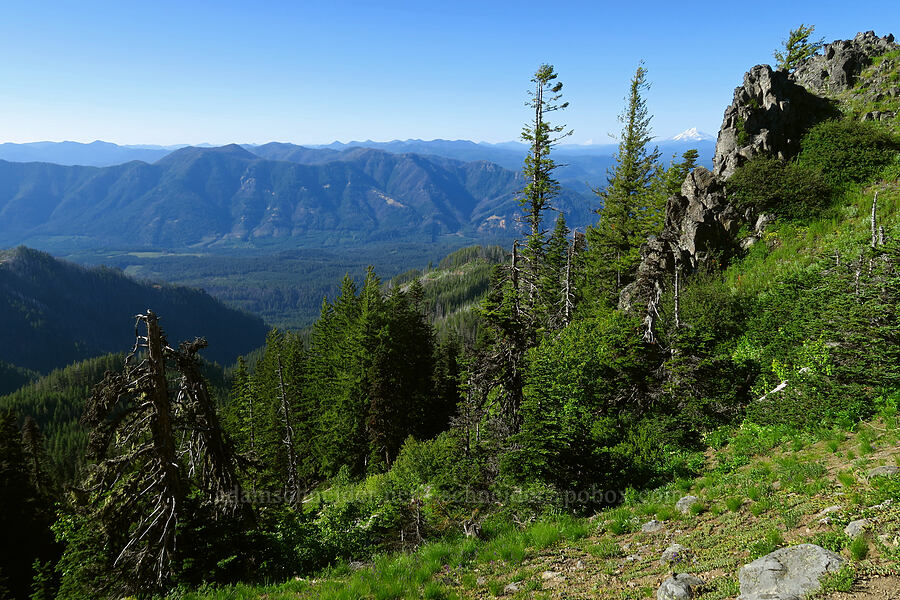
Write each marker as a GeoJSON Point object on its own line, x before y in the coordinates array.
{"type": "Point", "coordinates": [787, 574]}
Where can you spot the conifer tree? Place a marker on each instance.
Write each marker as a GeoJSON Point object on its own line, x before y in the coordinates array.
{"type": "Point", "coordinates": [541, 187]}
{"type": "Point", "coordinates": [797, 48]}
{"type": "Point", "coordinates": [516, 308]}
{"type": "Point", "coordinates": [162, 465]}
{"type": "Point", "coordinates": [676, 173]}
{"type": "Point", "coordinates": [633, 200]}
{"type": "Point", "coordinates": [25, 511]}
{"type": "Point", "coordinates": [553, 275]}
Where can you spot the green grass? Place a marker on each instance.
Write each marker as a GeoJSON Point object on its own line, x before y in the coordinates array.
{"type": "Point", "coordinates": [760, 507]}
{"type": "Point", "coordinates": [839, 581]}
{"type": "Point", "coordinates": [734, 503]}
{"type": "Point", "coordinates": [846, 479]}
{"type": "Point", "coordinates": [606, 548]}
{"type": "Point", "coordinates": [788, 248]}
{"type": "Point", "coordinates": [859, 547]}
{"type": "Point", "coordinates": [769, 543]}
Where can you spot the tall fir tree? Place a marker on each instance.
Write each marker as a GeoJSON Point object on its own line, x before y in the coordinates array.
{"type": "Point", "coordinates": [633, 201]}
{"type": "Point", "coordinates": [25, 509]}
{"type": "Point", "coordinates": [541, 187]}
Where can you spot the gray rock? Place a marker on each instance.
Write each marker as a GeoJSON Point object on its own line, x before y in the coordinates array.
{"type": "Point", "coordinates": [857, 528]}
{"type": "Point", "coordinates": [679, 587]}
{"type": "Point", "coordinates": [676, 553]}
{"type": "Point", "coordinates": [841, 62]}
{"type": "Point", "coordinates": [652, 526]}
{"type": "Point", "coordinates": [684, 505]}
{"type": "Point", "coordinates": [632, 558]}
{"type": "Point", "coordinates": [512, 588]}
{"type": "Point", "coordinates": [700, 226]}
{"type": "Point", "coordinates": [828, 510]}
{"type": "Point", "coordinates": [788, 573]}
{"type": "Point", "coordinates": [883, 471]}
{"type": "Point", "coordinates": [769, 113]}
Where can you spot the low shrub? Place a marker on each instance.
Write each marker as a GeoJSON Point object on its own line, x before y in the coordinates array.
{"type": "Point", "coordinates": [848, 151]}
{"type": "Point", "coordinates": [789, 190]}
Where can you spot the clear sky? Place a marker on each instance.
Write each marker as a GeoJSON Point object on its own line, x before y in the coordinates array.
{"type": "Point", "coordinates": [193, 71]}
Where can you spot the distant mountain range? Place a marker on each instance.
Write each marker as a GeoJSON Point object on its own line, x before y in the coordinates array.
{"type": "Point", "coordinates": [95, 154]}
{"type": "Point", "coordinates": [228, 196]}
{"type": "Point", "coordinates": [284, 194]}
{"type": "Point", "coordinates": [580, 166]}
{"type": "Point", "coordinates": [581, 162]}
{"type": "Point", "coordinates": [54, 312]}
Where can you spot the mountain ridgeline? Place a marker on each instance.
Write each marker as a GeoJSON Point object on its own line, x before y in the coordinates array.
{"type": "Point", "coordinates": [228, 196]}
{"type": "Point", "coordinates": [55, 313]}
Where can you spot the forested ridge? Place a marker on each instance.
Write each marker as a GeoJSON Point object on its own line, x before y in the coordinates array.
{"type": "Point", "coordinates": [491, 404]}
{"type": "Point", "coordinates": [55, 312]}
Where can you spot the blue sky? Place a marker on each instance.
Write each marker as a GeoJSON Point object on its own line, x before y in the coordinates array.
{"type": "Point", "coordinates": [165, 72]}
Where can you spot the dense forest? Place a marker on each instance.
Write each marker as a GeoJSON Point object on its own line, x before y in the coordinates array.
{"type": "Point", "coordinates": [558, 376]}
{"type": "Point", "coordinates": [55, 313]}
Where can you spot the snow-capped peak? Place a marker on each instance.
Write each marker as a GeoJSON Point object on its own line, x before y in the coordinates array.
{"type": "Point", "coordinates": [692, 135]}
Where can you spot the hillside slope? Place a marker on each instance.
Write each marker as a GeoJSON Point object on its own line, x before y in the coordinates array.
{"type": "Point", "coordinates": [53, 313]}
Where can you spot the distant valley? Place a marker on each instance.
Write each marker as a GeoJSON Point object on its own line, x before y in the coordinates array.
{"type": "Point", "coordinates": [270, 229]}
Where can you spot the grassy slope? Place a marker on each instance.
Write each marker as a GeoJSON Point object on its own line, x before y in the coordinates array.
{"type": "Point", "coordinates": [773, 499]}
{"type": "Point", "coordinates": [761, 491]}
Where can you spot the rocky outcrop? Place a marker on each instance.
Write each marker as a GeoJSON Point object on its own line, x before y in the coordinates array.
{"type": "Point", "coordinates": [700, 226]}
{"type": "Point", "coordinates": [768, 115]}
{"type": "Point", "coordinates": [787, 574]}
{"type": "Point", "coordinates": [841, 62]}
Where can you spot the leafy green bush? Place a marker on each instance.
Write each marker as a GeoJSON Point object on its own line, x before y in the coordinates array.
{"type": "Point", "coordinates": [790, 190]}
{"type": "Point", "coordinates": [848, 151]}
{"type": "Point", "coordinates": [839, 581]}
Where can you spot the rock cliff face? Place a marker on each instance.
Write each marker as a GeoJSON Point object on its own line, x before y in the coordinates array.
{"type": "Point", "coordinates": [841, 62]}
{"type": "Point", "coordinates": [769, 113]}
{"type": "Point", "coordinates": [700, 226]}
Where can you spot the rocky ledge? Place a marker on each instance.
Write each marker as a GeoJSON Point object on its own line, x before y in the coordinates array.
{"type": "Point", "coordinates": [769, 113]}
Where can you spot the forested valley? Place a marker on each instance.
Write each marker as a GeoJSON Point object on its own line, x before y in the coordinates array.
{"type": "Point", "coordinates": [502, 400]}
